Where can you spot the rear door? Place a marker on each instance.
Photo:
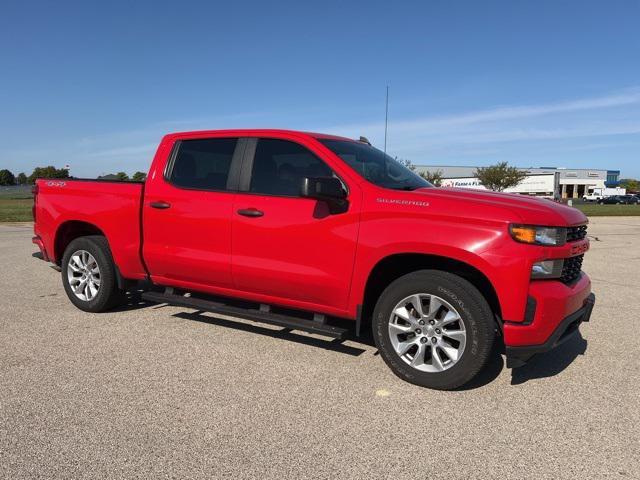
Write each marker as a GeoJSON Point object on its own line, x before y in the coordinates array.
{"type": "Point", "coordinates": [187, 213]}
{"type": "Point", "coordinates": [286, 247]}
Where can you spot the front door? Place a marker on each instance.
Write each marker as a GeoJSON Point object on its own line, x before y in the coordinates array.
{"type": "Point", "coordinates": [288, 247]}
{"type": "Point", "coordinates": [187, 215]}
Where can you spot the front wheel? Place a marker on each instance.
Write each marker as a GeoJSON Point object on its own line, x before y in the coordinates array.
{"type": "Point", "coordinates": [433, 329]}
{"type": "Point", "coordinates": [88, 274]}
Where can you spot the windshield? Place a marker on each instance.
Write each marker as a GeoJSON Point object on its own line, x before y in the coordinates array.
{"type": "Point", "coordinates": [375, 166]}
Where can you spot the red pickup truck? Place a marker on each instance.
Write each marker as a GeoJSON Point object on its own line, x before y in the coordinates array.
{"type": "Point", "coordinates": [305, 231]}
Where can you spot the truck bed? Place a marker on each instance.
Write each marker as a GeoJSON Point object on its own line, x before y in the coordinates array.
{"type": "Point", "coordinates": [114, 207]}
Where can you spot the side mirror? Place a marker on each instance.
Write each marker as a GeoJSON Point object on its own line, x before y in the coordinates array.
{"type": "Point", "coordinates": [326, 189]}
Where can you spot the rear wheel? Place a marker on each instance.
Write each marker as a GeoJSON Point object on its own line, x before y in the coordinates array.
{"type": "Point", "coordinates": [433, 329]}
{"type": "Point", "coordinates": [88, 274]}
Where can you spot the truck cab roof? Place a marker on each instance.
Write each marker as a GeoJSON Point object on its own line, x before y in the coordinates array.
{"type": "Point", "coordinates": [258, 132]}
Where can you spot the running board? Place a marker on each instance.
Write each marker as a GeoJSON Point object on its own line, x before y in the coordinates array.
{"type": "Point", "coordinates": [294, 323]}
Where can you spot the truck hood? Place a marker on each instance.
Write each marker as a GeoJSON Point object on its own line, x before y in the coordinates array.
{"type": "Point", "coordinates": [527, 210]}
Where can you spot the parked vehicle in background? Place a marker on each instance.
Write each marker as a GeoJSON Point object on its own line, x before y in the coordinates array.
{"type": "Point", "coordinates": [620, 200]}
{"type": "Point", "coordinates": [596, 194]}
{"type": "Point", "coordinates": [305, 230]}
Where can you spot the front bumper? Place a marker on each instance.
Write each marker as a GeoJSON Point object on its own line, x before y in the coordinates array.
{"type": "Point", "coordinates": [519, 355]}
{"type": "Point", "coordinates": [550, 302]}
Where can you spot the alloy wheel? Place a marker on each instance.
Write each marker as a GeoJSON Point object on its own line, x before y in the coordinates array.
{"type": "Point", "coordinates": [83, 274]}
{"type": "Point", "coordinates": [427, 333]}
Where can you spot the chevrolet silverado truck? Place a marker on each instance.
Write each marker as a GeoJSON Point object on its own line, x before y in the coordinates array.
{"type": "Point", "coordinates": [309, 231]}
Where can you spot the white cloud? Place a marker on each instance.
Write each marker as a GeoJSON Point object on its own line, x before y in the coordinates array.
{"type": "Point", "coordinates": [453, 123]}
{"type": "Point", "coordinates": [535, 134]}
{"type": "Point", "coordinates": [507, 131]}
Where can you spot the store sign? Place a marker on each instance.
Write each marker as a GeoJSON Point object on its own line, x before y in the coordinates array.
{"type": "Point", "coordinates": [533, 184]}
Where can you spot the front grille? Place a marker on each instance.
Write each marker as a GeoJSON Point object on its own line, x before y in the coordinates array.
{"type": "Point", "coordinates": [576, 233]}
{"type": "Point", "coordinates": [571, 269]}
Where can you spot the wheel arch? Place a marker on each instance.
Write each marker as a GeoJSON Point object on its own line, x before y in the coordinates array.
{"type": "Point", "coordinates": [70, 230]}
{"type": "Point", "coordinates": [394, 266]}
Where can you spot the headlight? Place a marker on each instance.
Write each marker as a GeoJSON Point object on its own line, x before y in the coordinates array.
{"type": "Point", "coordinates": [538, 235]}
{"type": "Point", "coordinates": [547, 269]}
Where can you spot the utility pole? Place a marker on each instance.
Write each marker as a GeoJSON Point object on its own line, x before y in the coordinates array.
{"type": "Point", "coordinates": [386, 120]}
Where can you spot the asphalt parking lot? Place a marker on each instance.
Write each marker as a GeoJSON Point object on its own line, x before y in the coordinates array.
{"type": "Point", "coordinates": [153, 391]}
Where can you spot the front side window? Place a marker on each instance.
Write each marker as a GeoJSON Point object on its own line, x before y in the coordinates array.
{"type": "Point", "coordinates": [203, 163]}
{"type": "Point", "coordinates": [279, 167]}
{"type": "Point", "coordinates": [375, 166]}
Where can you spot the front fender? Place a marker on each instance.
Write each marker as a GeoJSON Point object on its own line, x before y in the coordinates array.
{"type": "Point", "coordinates": [488, 248]}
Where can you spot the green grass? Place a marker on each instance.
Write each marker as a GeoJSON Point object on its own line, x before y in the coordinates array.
{"type": "Point", "coordinates": [595, 210]}
{"type": "Point", "coordinates": [15, 203]}
{"type": "Point", "coordinates": [15, 209]}
{"type": "Point", "coordinates": [22, 191]}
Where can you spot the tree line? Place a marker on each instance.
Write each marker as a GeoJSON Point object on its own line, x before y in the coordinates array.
{"type": "Point", "coordinates": [631, 184]}
{"type": "Point", "coordinates": [8, 178]}
{"type": "Point", "coordinates": [136, 177]}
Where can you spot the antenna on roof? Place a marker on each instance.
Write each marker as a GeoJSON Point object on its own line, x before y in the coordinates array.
{"type": "Point", "coordinates": [386, 119]}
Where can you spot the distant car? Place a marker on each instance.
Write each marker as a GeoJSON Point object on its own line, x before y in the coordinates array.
{"type": "Point", "coordinates": [620, 200]}
{"type": "Point", "coordinates": [630, 199]}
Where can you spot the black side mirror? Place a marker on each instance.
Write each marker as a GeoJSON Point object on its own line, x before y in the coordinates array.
{"type": "Point", "coordinates": [326, 189]}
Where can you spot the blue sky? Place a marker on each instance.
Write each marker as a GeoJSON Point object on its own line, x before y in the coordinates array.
{"type": "Point", "coordinates": [96, 84]}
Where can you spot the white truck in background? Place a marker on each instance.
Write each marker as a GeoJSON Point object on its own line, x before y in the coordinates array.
{"type": "Point", "coordinates": [596, 194]}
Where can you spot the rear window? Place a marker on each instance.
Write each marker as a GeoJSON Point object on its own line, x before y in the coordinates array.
{"type": "Point", "coordinates": [203, 163]}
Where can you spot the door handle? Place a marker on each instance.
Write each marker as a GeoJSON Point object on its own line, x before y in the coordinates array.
{"type": "Point", "coordinates": [250, 212]}
{"type": "Point", "coordinates": [160, 205]}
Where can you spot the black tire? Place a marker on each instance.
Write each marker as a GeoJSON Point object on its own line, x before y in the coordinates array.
{"type": "Point", "coordinates": [108, 295]}
{"type": "Point", "coordinates": [473, 309]}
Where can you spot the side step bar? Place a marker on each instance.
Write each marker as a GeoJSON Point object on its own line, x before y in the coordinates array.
{"type": "Point", "coordinates": [294, 323]}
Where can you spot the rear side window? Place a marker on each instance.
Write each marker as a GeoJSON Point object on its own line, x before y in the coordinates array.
{"type": "Point", "coordinates": [203, 163]}
{"type": "Point", "coordinates": [279, 167]}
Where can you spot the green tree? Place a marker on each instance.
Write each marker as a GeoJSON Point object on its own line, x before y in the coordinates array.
{"type": "Point", "coordinates": [139, 177]}
{"type": "Point", "coordinates": [122, 176]}
{"type": "Point", "coordinates": [21, 179]}
{"type": "Point", "coordinates": [630, 184]}
{"type": "Point", "coordinates": [500, 176]}
{"type": "Point", "coordinates": [47, 172]}
{"type": "Point", "coordinates": [7, 178]}
{"type": "Point", "coordinates": [407, 163]}
{"type": "Point", "coordinates": [434, 177]}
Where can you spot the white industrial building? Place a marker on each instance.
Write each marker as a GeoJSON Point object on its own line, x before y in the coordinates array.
{"type": "Point", "coordinates": [573, 182]}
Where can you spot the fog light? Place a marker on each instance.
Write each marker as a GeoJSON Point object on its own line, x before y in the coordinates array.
{"type": "Point", "coordinates": [547, 269]}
